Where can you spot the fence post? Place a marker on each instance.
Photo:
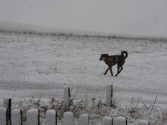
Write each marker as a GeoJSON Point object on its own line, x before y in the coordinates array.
{"type": "Point", "coordinates": [84, 119]}
{"type": "Point", "coordinates": [143, 122]}
{"type": "Point", "coordinates": [7, 104]}
{"type": "Point", "coordinates": [120, 121]}
{"type": "Point", "coordinates": [67, 96]}
{"type": "Point", "coordinates": [33, 117]}
{"type": "Point", "coordinates": [51, 117]}
{"type": "Point", "coordinates": [68, 118]}
{"type": "Point", "coordinates": [109, 95]}
{"type": "Point", "coordinates": [107, 121]}
{"type": "Point", "coordinates": [2, 116]}
{"type": "Point", "coordinates": [16, 117]}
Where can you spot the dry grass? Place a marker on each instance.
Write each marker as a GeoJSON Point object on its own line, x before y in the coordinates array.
{"type": "Point", "coordinates": [96, 109]}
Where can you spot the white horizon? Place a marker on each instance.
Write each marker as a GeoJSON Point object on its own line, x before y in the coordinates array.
{"type": "Point", "coordinates": [119, 17]}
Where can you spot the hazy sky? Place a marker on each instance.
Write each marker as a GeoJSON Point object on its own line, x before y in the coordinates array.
{"type": "Point", "coordinates": [114, 16]}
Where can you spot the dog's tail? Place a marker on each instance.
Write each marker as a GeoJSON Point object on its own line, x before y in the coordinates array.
{"type": "Point", "coordinates": [125, 54]}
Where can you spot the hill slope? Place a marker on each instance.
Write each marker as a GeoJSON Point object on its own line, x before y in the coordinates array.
{"type": "Point", "coordinates": [44, 64]}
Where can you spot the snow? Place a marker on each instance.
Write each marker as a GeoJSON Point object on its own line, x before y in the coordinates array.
{"type": "Point", "coordinates": [32, 117]}
{"type": "Point", "coordinates": [66, 98]}
{"type": "Point", "coordinates": [16, 117]}
{"type": "Point", "coordinates": [109, 94]}
{"type": "Point", "coordinates": [142, 122]}
{"type": "Point", "coordinates": [84, 119]}
{"type": "Point", "coordinates": [40, 66]}
{"type": "Point", "coordinates": [51, 117]}
{"type": "Point", "coordinates": [2, 116]}
{"type": "Point", "coordinates": [34, 65]}
{"type": "Point", "coordinates": [107, 121]}
{"type": "Point", "coordinates": [120, 120]}
{"type": "Point", "coordinates": [6, 102]}
{"type": "Point", "coordinates": [68, 118]}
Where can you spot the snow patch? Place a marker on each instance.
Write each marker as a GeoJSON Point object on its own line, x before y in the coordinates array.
{"type": "Point", "coordinates": [120, 120]}
{"type": "Point", "coordinates": [68, 118]}
{"type": "Point", "coordinates": [142, 122]}
{"type": "Point", "coordinates": [84, 119]}
{"type": "Point", "coordinates": [2, 116]}
{"type": "Point", "coordinates": [107, 121]}
{"type": "Point", "coordinates": [16, 117]}
{"type": "Point", "coordinates": [51, 117]}
{"type": "Point", "coordinates": [32, 117]}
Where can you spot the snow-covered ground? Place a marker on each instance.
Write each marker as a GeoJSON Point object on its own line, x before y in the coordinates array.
{"type": "Point", "coordinates": [34, 65]}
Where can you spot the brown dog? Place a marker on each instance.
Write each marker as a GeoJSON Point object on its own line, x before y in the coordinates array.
{"type": "Point", "coordinates": [114, 59]}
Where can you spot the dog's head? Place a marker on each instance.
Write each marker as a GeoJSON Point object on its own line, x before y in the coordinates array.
{"type": "Point", "coordinates": [103, 56]}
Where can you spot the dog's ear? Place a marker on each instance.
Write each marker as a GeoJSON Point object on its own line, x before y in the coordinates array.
{"type": "Point", "coordinates": [124, 51]}
{"type": "Point", "coordinates": [104, 54]}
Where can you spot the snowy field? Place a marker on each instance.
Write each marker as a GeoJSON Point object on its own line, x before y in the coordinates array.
{"type": "Point", "coordinates": [32, 65]}
{"type": "Point", "coordinates": [41, 65]}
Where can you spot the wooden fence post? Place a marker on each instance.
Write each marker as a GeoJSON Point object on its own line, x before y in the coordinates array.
{"type": "Point", "coordinates": [143, 122]}
{"type": "Point", "coordinates": [120, 121]}
{"type": "Point", "coordinates": [51, 117]}
{"type": "Point", "coordinates": [84, 119]}
{"type": "Point", "coordinates": [33, 117]}
{"type": "Point", "coordinates": [109, 95]}
{"type": "Point", "coordinates": [107, 121]}
{"type": "Point", "coordinates": [7, 103]}
{"type": "Point", "coordinates": [67, 96]}
{"type": "Point", "coordinates": [68, 118]}
{"type": "Point", "coordinates": [16, 117]}
{"type": "Point", "coordinates": [2, 116]}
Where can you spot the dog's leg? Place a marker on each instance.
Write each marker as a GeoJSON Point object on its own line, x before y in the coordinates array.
{"type": "Point", "coordinates": [106, 71]}
{"type": "Point", "coordinates": [119, 70]}
{"type": "Point", "coordinates": [111, 70]}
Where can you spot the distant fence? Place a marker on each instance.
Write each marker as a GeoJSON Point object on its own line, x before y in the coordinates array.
{"type": "Point", "coordinates": [14, 117]}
